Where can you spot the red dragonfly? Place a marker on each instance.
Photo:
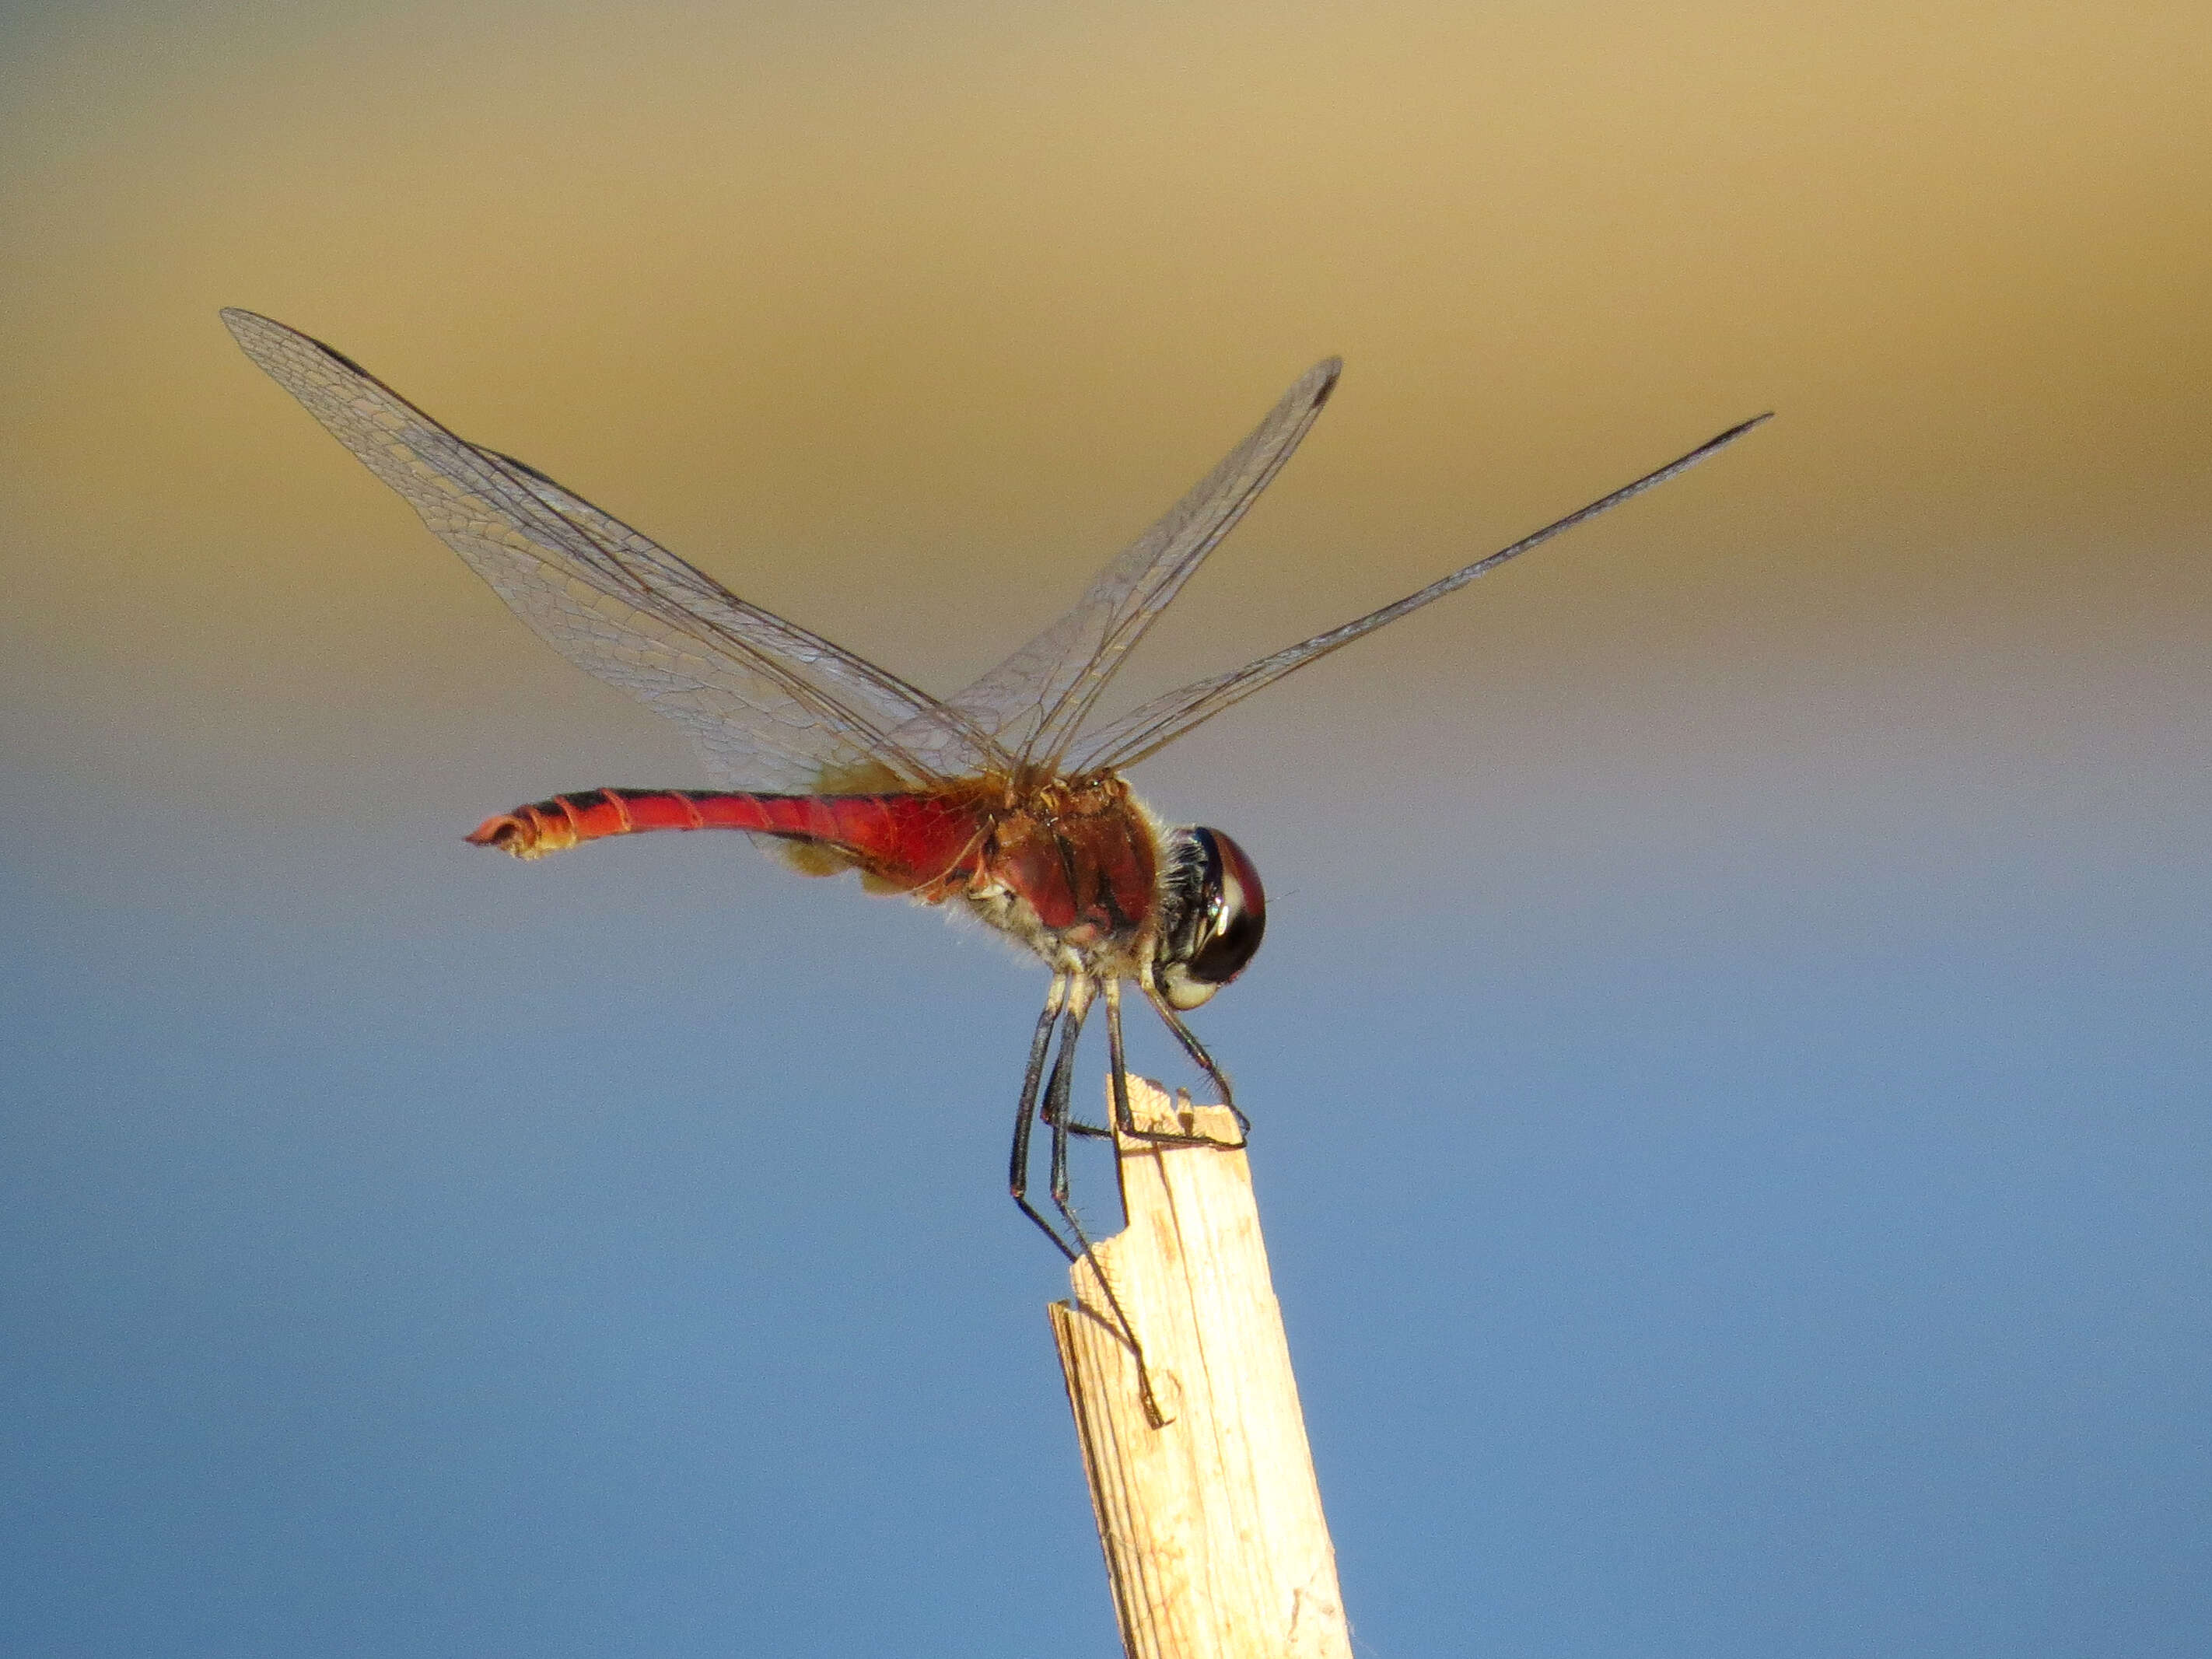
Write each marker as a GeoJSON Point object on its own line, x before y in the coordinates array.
{"type": "Point", "coordinates": [1004, 796]}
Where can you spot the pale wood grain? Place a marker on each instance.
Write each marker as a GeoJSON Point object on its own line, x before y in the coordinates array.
{"type": "Point", "coordinates": [1215, 1542]}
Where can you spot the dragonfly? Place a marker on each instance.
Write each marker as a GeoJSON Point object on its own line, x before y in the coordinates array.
{"type": "Point", "coordinates": [1007, 798]}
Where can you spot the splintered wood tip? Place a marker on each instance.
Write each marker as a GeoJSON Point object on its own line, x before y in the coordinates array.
{"type": "Point", "coordinates": [1212, 1522]}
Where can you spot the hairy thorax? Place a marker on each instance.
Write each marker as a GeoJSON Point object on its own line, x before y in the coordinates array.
{"type": "Point", "coordinates": [1070, 868]}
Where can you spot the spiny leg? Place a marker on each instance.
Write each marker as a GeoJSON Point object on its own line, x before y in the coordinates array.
{"type": "Point", "coordinates": [1018, 1166]}
{"type": "Point", "coordinates": [1056, 1109]}
{"type": "Point", "coordinates": [1055, 1113]}
{"type": "Point", "coordinates": [1056, 1093]}
{"type": "Point", "coordinates": [1123, 1117]}
{"type": "Point", "coordinates": [1205, 1062]}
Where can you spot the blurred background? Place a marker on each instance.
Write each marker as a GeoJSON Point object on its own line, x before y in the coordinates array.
{"type": "Point", "coordinates": [1729, 1059]}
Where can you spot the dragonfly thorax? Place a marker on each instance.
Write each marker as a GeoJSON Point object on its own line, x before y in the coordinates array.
{"type": "Point", "coordinates": [1070, 867]}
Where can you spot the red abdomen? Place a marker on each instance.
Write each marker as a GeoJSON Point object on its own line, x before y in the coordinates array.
{"type": "Point", "coordinates": [903, 841]}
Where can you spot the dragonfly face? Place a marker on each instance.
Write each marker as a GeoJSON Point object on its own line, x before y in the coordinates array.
{"type": "Point", "coordinates": [1213, 913]}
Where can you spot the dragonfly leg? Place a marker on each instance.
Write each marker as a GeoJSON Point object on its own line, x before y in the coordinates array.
{"type": "Point", "coordinates": [1056, 1108]}
{"type": "Point", "coordinates": [1128, 1120]}
{"type": "Point", "coordinates": [1124, 1118]}
{"type": "Point", "coordinates": [1055, 1113]}
{"type": "Point", "coordinates": [1205, 1062]}
{"type": "Point", "coordinates": [1056, 1092]}
{"type": "Point", "coordinates": [1025, 1114]}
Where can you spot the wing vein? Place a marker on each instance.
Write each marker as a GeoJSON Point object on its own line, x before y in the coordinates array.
{"type": "Point", "coordinates": [1147, 729]}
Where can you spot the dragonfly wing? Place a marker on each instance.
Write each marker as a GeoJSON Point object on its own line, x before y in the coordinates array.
{"type": "Point", "coordinates": [1032, 703]}
{"type": "Point", "coordinates": [1153, 726]}
{"type": "Point", "coordinates": [769, 704]}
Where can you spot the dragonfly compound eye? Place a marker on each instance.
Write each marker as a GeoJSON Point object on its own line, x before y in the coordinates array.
{"type": "Point", "coordinates": [1216, 912]}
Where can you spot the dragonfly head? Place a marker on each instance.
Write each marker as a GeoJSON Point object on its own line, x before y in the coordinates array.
{"type": "Point", "coordinates": [1212, 914]}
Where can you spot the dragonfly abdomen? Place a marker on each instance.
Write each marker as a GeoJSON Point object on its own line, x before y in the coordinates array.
{"type": "Point", "coordinates": [901, 842]}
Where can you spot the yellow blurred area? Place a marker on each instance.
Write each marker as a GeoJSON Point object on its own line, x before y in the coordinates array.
{"type": "Point", "coordinates": [903, 318]}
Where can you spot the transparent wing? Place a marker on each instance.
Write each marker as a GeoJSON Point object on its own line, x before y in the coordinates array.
{"type": "Point", "coordinates": [769, 704]}
{"type": "Point", "coordinates": [1032, 704]}
{"type": "Point", "coordinates": [1155, 725]}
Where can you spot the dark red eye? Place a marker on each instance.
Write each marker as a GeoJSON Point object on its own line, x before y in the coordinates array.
{"type": "Point", "coordinates": [1232, 912]}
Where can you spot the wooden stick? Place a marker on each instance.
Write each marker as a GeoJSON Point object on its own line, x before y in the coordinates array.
{"type": "Point", "coordinates": [1215, 1542]}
